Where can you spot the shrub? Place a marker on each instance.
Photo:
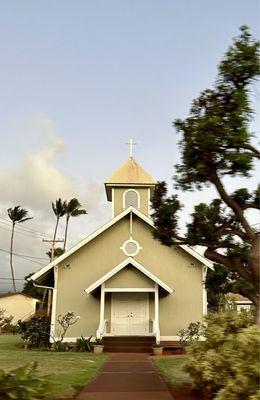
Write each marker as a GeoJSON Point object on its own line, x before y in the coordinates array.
{"type": "Point", "coordinates": [98, 342]}
{"type": "Point", "coordinates": [83, 344]}
{"type": "Point", "coordinates": [4, 319]}
{"type": "Point", "coordinates": [192, 333]}
{"type": "Point", "coordinates": [65, 322]}
{"type": "Point", "coordinates": [24, 384]}
{"type": "Point", "coordinates": [35, 331]}
{"type": "Point", "coordinates": [10, 328]}
{"type": "Point", "coordinates": [225, 366]}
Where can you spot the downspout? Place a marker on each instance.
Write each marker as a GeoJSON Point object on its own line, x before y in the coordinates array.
{"type": "Point", "coordinates": [54, 290]}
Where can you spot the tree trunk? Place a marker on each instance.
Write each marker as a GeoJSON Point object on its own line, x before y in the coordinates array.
{"type": "Point", "coordinates": [55, 230]}
{"type": "Point", "coordinates": [254, 261]}
{"type": "Point", "coordinates": [257, 315]}
{"type": "Point", "coordinates": [66, 232]}
{"type": "Point", "coordinates": [49, 303]}
{"type": "Point", "coordinates": [11, 256]}
{"type": "Point", "coordinates": [254, 264]}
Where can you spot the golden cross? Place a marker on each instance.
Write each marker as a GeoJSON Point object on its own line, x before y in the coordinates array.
{"type": "Point", "coordinates": [131, 144]}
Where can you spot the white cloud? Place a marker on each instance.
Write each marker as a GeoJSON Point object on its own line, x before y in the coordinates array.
{"type": "Point", "coordinates": [34, 183]}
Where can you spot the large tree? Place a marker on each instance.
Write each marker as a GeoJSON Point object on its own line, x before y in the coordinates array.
{"type": "Point", "coordinates": [216, 142]}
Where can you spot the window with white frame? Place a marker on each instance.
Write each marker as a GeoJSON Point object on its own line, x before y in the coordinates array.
{"type": "Point", "coordinates": [131, 198]}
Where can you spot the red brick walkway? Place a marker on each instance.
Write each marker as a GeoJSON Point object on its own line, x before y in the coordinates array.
{"type": "Point", "coordinates": [126, 376]}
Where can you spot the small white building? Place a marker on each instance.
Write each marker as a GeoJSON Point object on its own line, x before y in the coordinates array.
{"type": "Point", "coordinates": [240, 302]}
{"type": "Point", "coordinates": [19, 305]}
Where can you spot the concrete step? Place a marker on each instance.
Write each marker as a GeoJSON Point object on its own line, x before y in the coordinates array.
{"type": "Point", "coordinates": [129, 344]}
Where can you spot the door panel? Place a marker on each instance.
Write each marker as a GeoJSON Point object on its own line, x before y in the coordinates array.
{"type": "Point", "coordinates": [138, 315]}
{"type": "Point", "coordinates": [130, 314]}
{"type": "Point", "coordinates": [120, 316]}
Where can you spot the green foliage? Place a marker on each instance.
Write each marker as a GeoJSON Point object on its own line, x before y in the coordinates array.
{"type": "Point", "coordinates": [226, 364]}
{"type": "Point", "coordinates": [83, 344]}
{"type": "Point", "coordinates": [217, 285]}
{"type": "Point", "coordinates": [35, 331]}
{"type": "Point", "coordinates": [216, 134]}
{"type": "Point", "coordinates": [10, 328]}
{"type": "Point", "coordinates": [165, 214]}
{"type": "Point", "coordinates": [73, 208]}
{"type": "Point", "coordinates": [216, 141]}
{"type": "Point", "coordinates": [59, 346]}
{"type": "Point", "coordinates": [58, 251]}
{"type": "Point", "coordinates": [191, 334]}
{"type": "Point", "coordinates": [23, 383]}
{"type": "Point", "coordinates": [18, 214]}
{"type": "Point", "coordinates": [98, 342]}
{"type": "Point", "coordinates": [59, 208]}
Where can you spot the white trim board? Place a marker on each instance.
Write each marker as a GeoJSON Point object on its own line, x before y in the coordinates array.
{"type": "Point", "coordinates": [122, 265]}
{"type": "Point", "coordinates": [110, 223]}
{"type": "Point", "coordinates": [129, 290]}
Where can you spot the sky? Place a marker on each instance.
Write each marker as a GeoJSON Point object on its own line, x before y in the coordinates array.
{"type": "Point", "coordinates": [78, 79]}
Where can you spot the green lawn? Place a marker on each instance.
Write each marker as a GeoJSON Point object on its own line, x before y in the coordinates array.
{"type": "Point", "coordinates": [69, 370]}
{"type": "Point", "coordinates": [171, 368]}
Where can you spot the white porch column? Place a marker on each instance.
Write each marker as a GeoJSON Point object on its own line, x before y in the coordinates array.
{"type": "Point", "coordinates": [100, 330]}
{"type": "Point", "coordinates": [54, 302]}
{"type": "Point", "coordinates": [204, 293]}
{"type": "Point", "coordinates": [156, 313]}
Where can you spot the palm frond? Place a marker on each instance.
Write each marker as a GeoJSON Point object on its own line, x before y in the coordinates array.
{"type": "Point", "coordinates": [59, 207]}
{"type": "Point", "coordinates": [18, 214]}
{"type": "Point", "coordinates": [24, 219]}
{"type": "Point", "coordinates": [73, 208]}
{"type": "Point", "coordinates": [77, 212]}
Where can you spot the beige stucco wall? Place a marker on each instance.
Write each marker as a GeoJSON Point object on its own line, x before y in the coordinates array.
{"type": "Point", "coordinates": [118, 199]}
{"type": "Point", "coordinates": [129, 277]}
{"type": "Point", "coordinates": [19, 306]}
{"type": "Point", "coordinates": [91, 262]}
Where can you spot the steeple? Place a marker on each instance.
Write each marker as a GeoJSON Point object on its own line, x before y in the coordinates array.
{"type": "Point", "coordinates": [130, 185]}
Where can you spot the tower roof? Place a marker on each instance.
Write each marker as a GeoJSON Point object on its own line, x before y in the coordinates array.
{"type": "Point", "coordinates": [130, 173]}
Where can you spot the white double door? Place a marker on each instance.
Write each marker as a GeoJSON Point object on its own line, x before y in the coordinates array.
{"type": "Point", "coordinates": [130, 314]}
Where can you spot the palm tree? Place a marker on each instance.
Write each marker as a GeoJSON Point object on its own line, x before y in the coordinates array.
{"type": "Point", "coordinates": [16, 215]}
{"type": "Point", "coordinates": [58, 251]}
{"type": "Point", "coordinates": [73, 209]}
{"type": "Point", "coordinates": [59, 209]}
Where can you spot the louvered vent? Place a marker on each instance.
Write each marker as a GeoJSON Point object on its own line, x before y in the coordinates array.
{"type": "Point", "coordinates": [131, 199]}
{"type": "Point", "coordinates": [131, 248]}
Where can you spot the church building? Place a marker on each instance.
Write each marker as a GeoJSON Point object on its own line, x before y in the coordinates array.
{"type": "Point", "coordinates": [120, 280]}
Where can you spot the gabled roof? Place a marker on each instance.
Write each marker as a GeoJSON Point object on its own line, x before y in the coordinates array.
{"type": "Point", "coordinates": [131, 172]}
{"type": "Point", "coordinates": [9, 294]}
{"type": "Point", "coordinates": [237, 297]}
{"type": "Point", "coordinates": [122, 265]}
{"type": "Point", "coordinates": [110, 223]}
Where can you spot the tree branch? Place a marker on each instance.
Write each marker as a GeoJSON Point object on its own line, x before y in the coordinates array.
{"type": "Point", "coordinates": [233, 266]}
{"type": "Point", "coordinates": [255, 152]}
{"type": "Point", "coordinates": [232, 204]}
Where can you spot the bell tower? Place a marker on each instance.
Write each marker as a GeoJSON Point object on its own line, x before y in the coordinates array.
{"type": "Point", "coordinates": [129, 186]}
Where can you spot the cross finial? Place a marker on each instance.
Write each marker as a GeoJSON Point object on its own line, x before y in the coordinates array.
{"type": "Point", "coordinates": [131, 144]}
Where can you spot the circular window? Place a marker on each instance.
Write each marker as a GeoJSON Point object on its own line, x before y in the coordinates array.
{"type": "Point", "coordinates": [131, 247]}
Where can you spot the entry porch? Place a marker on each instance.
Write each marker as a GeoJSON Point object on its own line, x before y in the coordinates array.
{"type": "Point", "coordinates": [129, 297]}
